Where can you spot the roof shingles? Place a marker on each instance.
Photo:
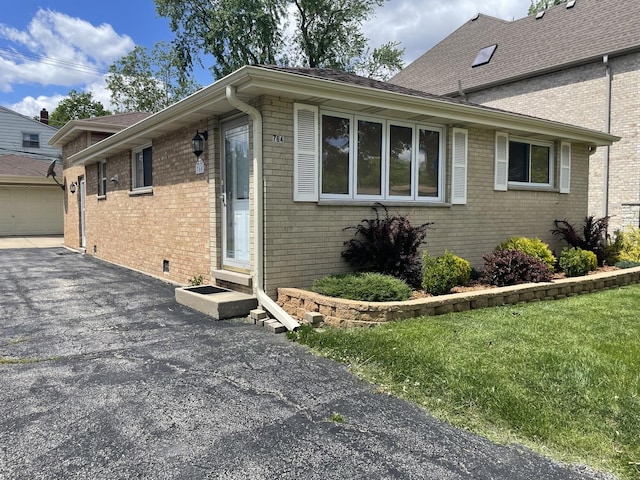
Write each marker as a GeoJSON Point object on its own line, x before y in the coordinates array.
{"type": "Point", "coordinates": [526, 47]}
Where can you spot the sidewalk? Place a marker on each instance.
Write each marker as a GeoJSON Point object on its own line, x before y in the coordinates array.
{"type": "Point", "coordinates": [31, 242]}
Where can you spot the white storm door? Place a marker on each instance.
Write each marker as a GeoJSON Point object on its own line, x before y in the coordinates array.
{"type": "Point", "coordinates": [83, 232]}
{"type": "Point", "coordinates": [236, 195]}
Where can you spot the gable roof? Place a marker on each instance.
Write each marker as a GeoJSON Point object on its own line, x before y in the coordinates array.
{"type": "Point", "coordinates": [561, 38]}
{"type": "Point", "coordinates": [24, 169]}
{"type": "Point", "coordinates": [335, 90]}
{"type": "Point", "coordinates": [105, 124]}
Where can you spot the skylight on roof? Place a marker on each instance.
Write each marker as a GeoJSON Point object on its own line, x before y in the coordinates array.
{"type": "Point", "coordinates": [571, 3]}
{"type": "Point", "coordinates": [484, 55]}
{"type": "Point", "coordinates": [540, 15]}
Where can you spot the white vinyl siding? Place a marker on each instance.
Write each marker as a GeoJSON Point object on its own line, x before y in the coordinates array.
{"type": "Point", "coordinates": [306, 158]}
{"type": "Point", "coordinates": [459, 167]}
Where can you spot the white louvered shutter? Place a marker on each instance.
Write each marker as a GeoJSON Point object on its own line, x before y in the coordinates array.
{"type": "Point", "coordinates": [565, 167]}
{"type": "Point", "coordinates": [305, 156]}
{"type": "Point", "coordinates": [501, 174]}
{"type": "Point", "coordinates": [459, 167]}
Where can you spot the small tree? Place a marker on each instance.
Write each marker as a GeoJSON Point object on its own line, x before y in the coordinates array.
{"type": "Point", "coordinates": [76, 106]}
{"type": "Point", "coordinates": [387, 245]}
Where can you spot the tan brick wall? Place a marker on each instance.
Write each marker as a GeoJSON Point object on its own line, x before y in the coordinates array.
{"type": "Point", "coordinates": [578, 96]}
{"type": "Point", "coordinates": [304, 240]}
{"type": "Point", "coordinates": [141, 231]}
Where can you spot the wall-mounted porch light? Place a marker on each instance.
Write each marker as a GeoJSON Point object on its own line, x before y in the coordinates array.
{"type": "Point", "coordinates": [197, 142]}
{"type": "Point", "coordinates": [73, 186]}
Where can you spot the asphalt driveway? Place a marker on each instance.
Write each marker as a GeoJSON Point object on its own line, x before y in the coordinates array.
{"type": "Point", "coordinates": [104, 376]}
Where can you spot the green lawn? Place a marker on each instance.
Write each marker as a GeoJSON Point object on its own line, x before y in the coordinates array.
{"type": "Point", "coordinates": [561, 377]}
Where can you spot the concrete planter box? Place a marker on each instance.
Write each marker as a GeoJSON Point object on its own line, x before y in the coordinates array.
{"type": "Point", "coordinates": [349, 313]}
{"type": "Point", "coordinates": [216, 302]}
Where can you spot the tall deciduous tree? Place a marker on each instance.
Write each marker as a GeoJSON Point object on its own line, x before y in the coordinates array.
{"type": "Point", "coordinates": [540, 5]}
{"type": "Point", "coordinates": [313, 33]}
{"type": "Point", "coordinates": [76, 106]}
{"type": "Point", "coordinates": [143, 82]}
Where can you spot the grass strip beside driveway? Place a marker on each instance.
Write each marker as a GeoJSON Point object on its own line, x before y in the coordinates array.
{"type": "Point", "coordinates": [562, 377]}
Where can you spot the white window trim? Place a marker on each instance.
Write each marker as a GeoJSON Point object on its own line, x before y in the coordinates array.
{"type": "Point", "coordinates": [552, 170]}
{"type": "Point", "coordinates": [142, 189]}
{"type": "Point", "coordinates": [352, 146]}
{"type": "Point", "coordinates": [459, 165]}
{"type": "Point", "coordinates": [102, 179]}
{"type": "Point", "coordinates": [565, 168]}
{"type": "Point", "coordinates": [386, 122]}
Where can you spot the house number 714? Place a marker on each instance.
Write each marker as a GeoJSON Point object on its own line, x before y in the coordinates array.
{"type": "Point", "coordinates": [278, 139]}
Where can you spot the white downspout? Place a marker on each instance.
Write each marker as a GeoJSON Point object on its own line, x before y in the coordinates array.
{"type": "Point", "coordinates": [607, 129]}
{"type": "Point", "coordinates": [258, 218]}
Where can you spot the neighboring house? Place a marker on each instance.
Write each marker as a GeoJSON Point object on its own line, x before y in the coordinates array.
{"type": "Point", "coordinates": [291, 158]}
{"type": "Point", "coordinates": [30, 203]}
{"type": "Point", "coordinates": [577, 63]}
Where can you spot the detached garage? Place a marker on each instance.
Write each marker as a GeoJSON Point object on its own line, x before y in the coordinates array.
{"type": "Point", "coordinates": [30, 203]}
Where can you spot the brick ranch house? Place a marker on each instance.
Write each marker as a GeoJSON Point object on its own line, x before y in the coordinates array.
{"type": "Point", "coordinates": [577, 63]}
{"type": "Point", "coordinates": [291, 157]}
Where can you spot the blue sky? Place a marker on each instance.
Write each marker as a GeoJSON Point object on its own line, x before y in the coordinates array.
{"type": "Point", "coordinates": [49, 47]}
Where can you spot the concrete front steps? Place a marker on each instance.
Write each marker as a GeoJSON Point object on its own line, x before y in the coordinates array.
{"type": "Point", "coordinates": [222, 304]}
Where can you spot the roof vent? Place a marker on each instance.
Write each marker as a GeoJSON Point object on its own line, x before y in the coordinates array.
{"type": "Point", "coordinates": [484, 55]}
{"type": "Point", "coordinates": [476, 17]}
{"type": "Point", "coordinates": [540, 15]}
{"type": "Point", "coordinates": [570, 4]}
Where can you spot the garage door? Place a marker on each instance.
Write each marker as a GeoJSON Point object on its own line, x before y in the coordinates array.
{"type": "Point", "coordinates": [31, 210]}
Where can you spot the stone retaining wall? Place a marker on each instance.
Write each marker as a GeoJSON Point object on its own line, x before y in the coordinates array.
{"type": "Point", "coordinates": [349, 313]}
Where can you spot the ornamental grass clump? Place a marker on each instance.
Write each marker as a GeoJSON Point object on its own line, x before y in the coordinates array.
{"type": "Point", "coordinates": [576, 262]}
{"type": "Point", "coordinates": [531, 246]}
{"type": "Point", "coordinates": [366, 287]}
{"type": "Point", "coordinates": [441, 274]}
{"type": "Point", "coordinates": [511, 267]}
{"type": "Point", "coordinates": [387, 245]}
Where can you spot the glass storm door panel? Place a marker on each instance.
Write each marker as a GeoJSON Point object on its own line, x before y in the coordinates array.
{"type": "Point", "coordinates": [83, 233]}
{"type": "Point", "coordinates": [236, 195]}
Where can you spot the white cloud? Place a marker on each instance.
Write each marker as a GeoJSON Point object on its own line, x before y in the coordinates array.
{"type": "Point", "coordinates": [57, 49]}
{"type": "Point", "coordinates": [29, 105]}
{"type": "Point", "coordinates": [420, 24]}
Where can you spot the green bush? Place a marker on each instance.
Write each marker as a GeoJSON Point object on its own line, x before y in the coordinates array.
{"type": "Point", "coordinates": [629, 239]}
{"type": "Point", "coordinates": [441, 274]}
{"type": "Point", "coordinates": [576, 262]}
{"type": "Point", "coordinates": [367, 286]}
{"type": "Point", "coordinates": [533, 247]}
{"type": "Point", "coordinates": [627, 264]}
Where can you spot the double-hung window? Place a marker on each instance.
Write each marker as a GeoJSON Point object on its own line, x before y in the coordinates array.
{"type": "Point", "coordinates": [141, 168]}
{"type": "Point", "coordinates": [365, 158]}
{"type": "Point", "coordinates": [102, 178]}
{"type": "Point", "coordinates": [523, 162]}
{"type": "Point", "coordinates": [30, 140]}
{"type": "Point", "coordinates": [530, 163]}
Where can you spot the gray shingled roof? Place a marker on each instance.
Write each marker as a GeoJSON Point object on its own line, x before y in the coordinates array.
{"type": "Point", "coordinates": [119, 119]}
{"type": "Point", "coordinates": [23, 166]}
{"type": "Point", "coordinates": [526, 47]}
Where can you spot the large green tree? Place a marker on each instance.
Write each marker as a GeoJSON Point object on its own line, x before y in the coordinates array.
{"type": "Point", "coordinates": [76, 106]}
{"type": "Point", "coordinates": [313, 33]}
{"type": "Point", "coordinates": [540, 5]}
{"type": "Point", "coordinates": [148, 82]}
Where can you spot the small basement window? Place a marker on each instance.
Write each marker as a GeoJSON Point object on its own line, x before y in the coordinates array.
{"type": "Point", "coordinates": [484, 55]}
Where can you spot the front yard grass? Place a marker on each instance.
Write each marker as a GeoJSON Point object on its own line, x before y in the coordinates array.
{"type": "Point", "coordinates": [562, 377]}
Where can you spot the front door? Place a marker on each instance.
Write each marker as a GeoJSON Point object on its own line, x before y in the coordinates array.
{"type": "Point", "coordinates": [235, 190]}
{"type": "Point", "coordinates": [83, 233]}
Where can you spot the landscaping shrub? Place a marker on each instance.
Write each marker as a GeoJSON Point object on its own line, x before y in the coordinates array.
{"type": "Point", "coordinates": [531, 246]}
{"type": "Point", "coordinates": [629, 240]}
{"type": "Point", "coordinates": [627, 264]}
{"type": "Point", "coordinates": [367, 286]}
{"type": "Point", "coordinates": [511, 267]}
{"type": "Point", "coordinates": [593, 236]}
{"type": "Point", "coordinates": [387, 245]}
{"type": "Point", "coordinates": [576, 262]}
{"type": "Point", "coordinates": [441, 274]}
